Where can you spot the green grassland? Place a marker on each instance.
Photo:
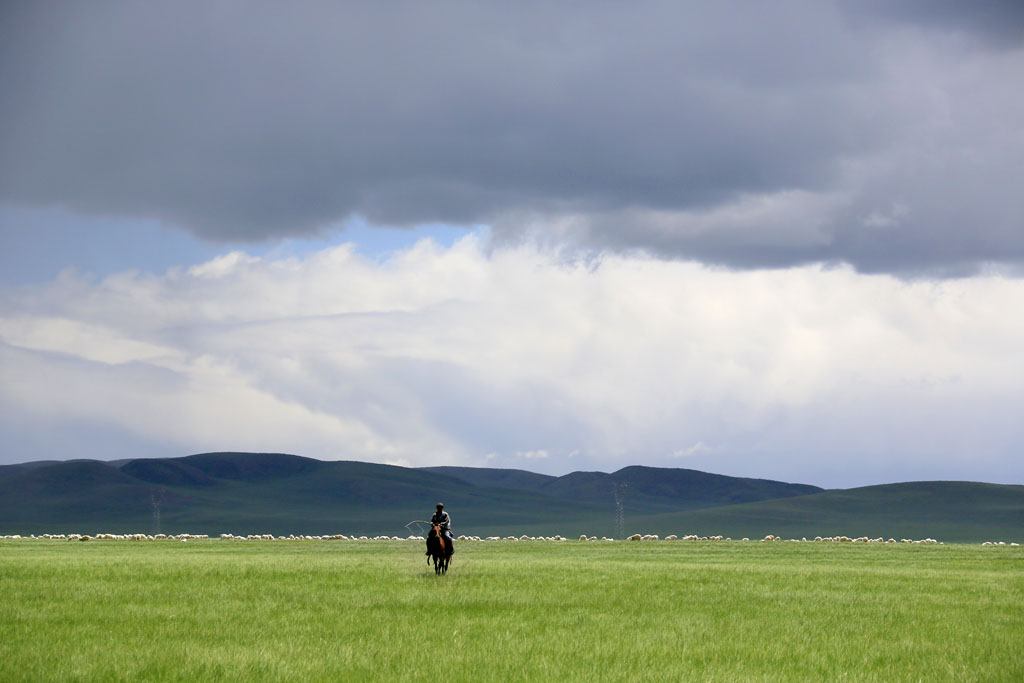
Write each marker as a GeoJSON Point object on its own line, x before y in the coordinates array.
{"type": "Point", "coordinates": [309, 610]}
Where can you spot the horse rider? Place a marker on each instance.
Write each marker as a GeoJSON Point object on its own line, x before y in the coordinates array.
{"type": "Point", "coordinates": [444, 520]}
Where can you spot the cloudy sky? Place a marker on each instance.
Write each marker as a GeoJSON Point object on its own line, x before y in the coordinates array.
{"type": "Point", "coordinates": [781, 240]}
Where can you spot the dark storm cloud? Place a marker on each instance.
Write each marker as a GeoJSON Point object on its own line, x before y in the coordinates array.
{"type": "Point", "coordinates": [651, 127]}
{"type": "Point", "coordinates": [999, 22]}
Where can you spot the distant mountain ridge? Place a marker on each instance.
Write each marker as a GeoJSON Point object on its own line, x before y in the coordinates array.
{"type": "Point", "coordinates": [643, 488]}
{"type": "Point", "coordinates": [280, 493]}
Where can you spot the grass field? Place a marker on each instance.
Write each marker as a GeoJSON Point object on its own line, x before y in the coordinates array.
{"type": "Point", "coordinates": [308, 610]}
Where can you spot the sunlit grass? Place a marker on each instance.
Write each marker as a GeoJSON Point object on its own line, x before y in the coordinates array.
{"type": "Point", "coordinates": [118, 610]}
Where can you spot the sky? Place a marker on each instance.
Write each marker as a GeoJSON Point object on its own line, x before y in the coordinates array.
{"type": "Point", "coordinates": [777, 240]}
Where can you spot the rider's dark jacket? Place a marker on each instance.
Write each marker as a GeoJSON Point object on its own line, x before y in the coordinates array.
{"type": "Point", "coordinates": [443, 520]}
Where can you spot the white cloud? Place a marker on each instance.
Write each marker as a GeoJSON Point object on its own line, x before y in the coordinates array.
{"type": "Point", "coordinates": [533, 455]}
{"type": "Point", "coordinates": [698, 448]}
{"type": "Point", "coordinates": [222, 265]}
{"type": "Point", "coordinates": [438, 355]}
{"type": "Point", "coordinates": [84, 340]}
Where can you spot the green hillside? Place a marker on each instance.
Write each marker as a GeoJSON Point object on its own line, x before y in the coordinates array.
{"type": "Point", "coordinates": [256, 493]}
{"type": "Point", "coordinates": [953, 511]}
{"type": "Point", "coordinates": [245, 493]}
{"type": "Point", "coordinates": [641, 489]}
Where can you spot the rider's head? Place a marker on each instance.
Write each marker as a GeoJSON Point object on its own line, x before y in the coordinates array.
{"type": "Point", "coordinates": [440, 506]}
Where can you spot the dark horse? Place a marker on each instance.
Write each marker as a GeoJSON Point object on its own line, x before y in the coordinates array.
{"type": "Point", "coordinates": [438, 549]}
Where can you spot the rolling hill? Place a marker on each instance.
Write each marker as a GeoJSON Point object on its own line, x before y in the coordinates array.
{"type": "Point", "coordinates": [644, 489]}
{"type": "Point", "coordinates": [276, 493]}
{"type": "Point", "coordinates": [951, 511]}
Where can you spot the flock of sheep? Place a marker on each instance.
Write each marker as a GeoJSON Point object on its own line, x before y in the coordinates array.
{"type": "Point", "coordinates": [343, 537]}
{"type": "Point", "coordinates": [772, 537]}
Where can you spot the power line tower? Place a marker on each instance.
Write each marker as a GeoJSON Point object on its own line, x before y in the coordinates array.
{"type": "Point", "coordinates": [619, 491]}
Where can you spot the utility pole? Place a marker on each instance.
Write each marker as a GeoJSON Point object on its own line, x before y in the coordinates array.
{"type": "Point", "coordinates": [619, 491]}
{"type": "Point", "coordinates": [156, 496]}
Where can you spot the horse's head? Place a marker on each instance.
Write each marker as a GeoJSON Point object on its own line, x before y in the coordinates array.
{"type": "Point", "coordinates": [435, 532]}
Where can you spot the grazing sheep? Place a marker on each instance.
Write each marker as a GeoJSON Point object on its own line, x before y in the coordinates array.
{"type": "Point", "coordinates": [557, 537]}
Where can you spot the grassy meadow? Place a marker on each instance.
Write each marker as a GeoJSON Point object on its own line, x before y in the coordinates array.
{"type": "Point", "coordinates": [314, 610]}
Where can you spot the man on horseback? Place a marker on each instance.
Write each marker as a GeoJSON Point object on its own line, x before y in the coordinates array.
{"type": "Point", "coordinates": [443, 520]}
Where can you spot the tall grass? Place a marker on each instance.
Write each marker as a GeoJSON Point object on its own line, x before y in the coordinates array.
{"type": "Point", "coordinates": [221, 610]}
